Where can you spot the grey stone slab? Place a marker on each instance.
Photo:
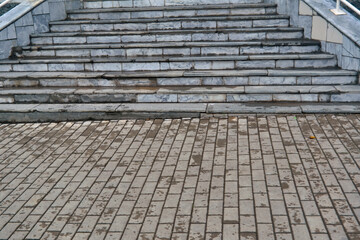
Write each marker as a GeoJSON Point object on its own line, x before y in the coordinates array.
{"type": "Point", "coordinates": [57, 10]}
{"type": "Point", "coordinates": [157, 98]}
{"type": "Point", "coordinates": [53, 108]}
{"type": "Point", "coordinates": [348, 88]}
{"type": "Point", "coordinates": [307, 72]}
{"type": "Point", "coordinates": [150, 66]}
{"type": "Point", "coordinates": [30, 67]}
{"type": "Point", "coordinates": [68, 40]}
{"type": "Point", "coordinates": [37, 91]}
{"type": "Point", "coordinates": [315, 63]}
{"type": "Point", "coordinates": [105, 39]}
{"type": "Point", "coordinates": [271, 23]}
{"type": "Point", "coordinates": [66, 67]}
{"type": "Point", "coordinates": [249, 98]}
{"type": "Point", "coordinates": [334, 80]}
{"type": "Point", "coordinates": [42, 40]}
{"type": "Point", "coordinates": [122, 15]}
{"type": "Point", "coordinates": [107, 66]}
{"type": "Point", "coordinates": [202, 90]}
{"type": "Point", "coordinates": [229, 73]}
{"type": "Point", "coordinates": [236, 81]}
{"type": "Point", "coordinates": [32, 98]}
{"type": "Point", "coordinates": [164, 107]}
{"type": "Point", "coordinates": [130, 26]}
{"type": "Point", "coordinates": [5, 99]}
{"type": "Point", "coordinates": [286, 97]}
{"type": "Point", "coordinates": [237, 108]}
{"type": "Point", "coordinates": [255, 64]}
{"type": "Point", "coordinates": [41, 23]}
{"type": "Point", "coordinates": [23, 35]}
{"type": "Point", "coordinates": [26, 20]}
{"type": "Point", "coordinates": [178, 81]}
{"type": "Point", "coordinates": [272, 80]}
{"type": "Point", "coordinates": [41, 9]}
{"type": "Point", "coordinates": [180, 65]}
{"type": "Point", "coordinates": [66, 28]}
{"type": "Point", "coordinates": [191, 98]}
{"type": "Point", "coordinates": [108, 98]}
{"type": "Point", "coordinates": [17, 108]}
{"type": "Point", "coordinates": [212, 81]}
{"type": "Point", "coordinates": [5, 67]}
{"type": "Point", "coordinates": [8, 33]}
{"type": "Point", "coordinates": [284, 64]}
{"type": "Point", "coordinates": [350, 63]}
{"type": "Point", "coordinates": [332, 108]}
{"type": "Point", "coordinates": [210, 37]}
{"type": "Point", "coordinates": [239, 24]}
{"type": "Point", "coordinates": [140, 38]}
{"type": "Point", "coordinates": [246, 36]}
{"type": "Point", "coordinates": [348, 97]}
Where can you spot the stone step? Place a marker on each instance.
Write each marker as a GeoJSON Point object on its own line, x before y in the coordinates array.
{"type": "Point", "coordinates": [183, 94]}
{"type": "Point", "coordinates": [257, 77]}
{"type": "Point", "coordinates": [244, 34]}
{"type": "Point", "coordinates": [112, 64]}
{"type": "Point", "coordinates": [91, 4]}
{"type": "Point", "coordinates": [171, 11]}
{"type": "Point", "coordinates": [212, 22]}
{"type": "Point", "coordinates": [169, 48]}
{"type": "Point", "coordinates": [15, 113]}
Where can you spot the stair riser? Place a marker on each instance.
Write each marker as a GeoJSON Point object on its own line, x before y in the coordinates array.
{"type": "Point", "coordinates": [156, 66]}
{"type": "Point", "coordinates": [169, 14]}
{"type": "Point", "coordinates": [171, 25]}
{"type": "Point", "coordinates": [181, 81]}
{"type": "Point", "coordinates": [155, 3]}
{"type": "Point", "coordinates": [180, 98]}
{"type": "Point", "coordinates": [179, 51]}
{"type": "Point", "coordinates": [197, 37]}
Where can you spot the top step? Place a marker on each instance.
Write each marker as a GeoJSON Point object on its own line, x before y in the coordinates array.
{"type": "Point", "coordinates": [90, 4]}
{"type": "Point", "coordinates": [173, 11]}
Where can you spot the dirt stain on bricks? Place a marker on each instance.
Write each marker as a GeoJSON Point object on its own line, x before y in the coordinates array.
{"type": "Point", "coordinates": [196, 160]}
{"type": "Point", "coordinates": [296, 218]}
{"type": "Point", "coordinates": [214, 235]}
{"type": "Point", "coordinates": [221, 143]}
{"type": "Point", "coordinates": [284, 185]}
{"type": "Point", "coordinates": [138, 215]}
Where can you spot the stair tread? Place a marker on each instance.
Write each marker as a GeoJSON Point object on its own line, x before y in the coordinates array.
{"type": "Point", "coordinates": [244, 57]}
{"type": "Point", "coordinates": [152, 20]}
{"type": "Point", "coordinates": [178, 73]}
{"type": "Point", "coordinates": [299, 42]}
{"type": "Point", "coordinates": [172, 31]}
{"type": "Point", "coordinates": [188, 7]}
{"type": "Point", "coordinates": [266, 89]}
{"type": "Point", "coordinates": [212, 108]}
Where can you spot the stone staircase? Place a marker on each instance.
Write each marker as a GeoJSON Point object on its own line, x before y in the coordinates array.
{"type": "Point", "coordinates": [112, 61]}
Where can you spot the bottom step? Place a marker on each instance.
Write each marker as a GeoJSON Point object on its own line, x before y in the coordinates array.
{"type": "Point", "coordinates": [205, 94]}
{"type": "Point", "coordinates": [15, 113]}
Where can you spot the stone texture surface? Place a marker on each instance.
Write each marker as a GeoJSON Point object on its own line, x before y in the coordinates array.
{"type": "Point", "coordinates": [215, 177]}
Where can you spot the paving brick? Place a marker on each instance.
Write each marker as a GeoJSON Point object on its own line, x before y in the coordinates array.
{"type": "Point", "coordinates": [145, 189]}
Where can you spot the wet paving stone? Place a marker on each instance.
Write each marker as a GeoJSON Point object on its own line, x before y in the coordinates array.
{"type": "Point", "coordinates": [218, 177]}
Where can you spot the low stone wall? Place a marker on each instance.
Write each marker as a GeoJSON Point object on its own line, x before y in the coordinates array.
{"type": "Point", "coordinates": [339, 35]}
{"type": "Point", "coordinates": [30, 17]}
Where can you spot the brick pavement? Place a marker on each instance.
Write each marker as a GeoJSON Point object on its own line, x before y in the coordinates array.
{"type": "Point", "coordinates": [242, 177]}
